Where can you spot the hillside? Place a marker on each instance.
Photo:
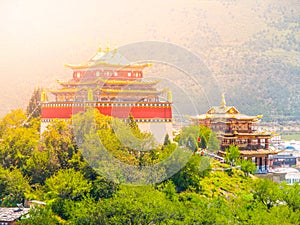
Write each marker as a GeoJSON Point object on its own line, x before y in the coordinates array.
{"type": "Point", "coordinates": [99, 179]}
{"type": "Point", "coordinates": [262, 74]}
{"type": "Point", "coordinates": [251, 50]}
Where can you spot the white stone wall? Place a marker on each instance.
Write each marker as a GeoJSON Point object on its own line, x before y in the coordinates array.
{"type": "Point", "coordinates": [159, 130]}
{"type": "Point", "coordinates": [44, 126]}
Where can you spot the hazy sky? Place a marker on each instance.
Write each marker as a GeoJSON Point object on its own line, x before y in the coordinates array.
{"type": "Point", "coordinates": [39, 37]}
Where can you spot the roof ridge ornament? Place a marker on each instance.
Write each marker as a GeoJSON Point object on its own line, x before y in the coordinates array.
{"type": "Point", "coordinates": [223, 104]}
{"type": "Point", "coordinates": [115, 48]}
{"type": "Point", "coordinates": [99, 48]}
{"type": "Point", "coordinates": [107, 47]}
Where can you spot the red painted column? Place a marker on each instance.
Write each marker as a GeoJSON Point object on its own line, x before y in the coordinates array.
{"type": "Point", "coordinates": [266, 162]}
{"type": "Point", "coordinates": [266, 143]}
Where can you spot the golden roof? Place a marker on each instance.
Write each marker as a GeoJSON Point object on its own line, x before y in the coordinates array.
{"type": "Point", "coordinates": [110, 65]}
{"type": "Point", "coordinates": [256, 152]}
{"type": "Point", "coordinates": [74, 90]}
{"type": "Point", "coordinates": [259, 152]}
{"type": "Point", "coordinates": [108, 58]}
{"type": "Point", "coordinates": [133, 91]}
{"type": "Point", "coordinates": [223, 113]}
{"type": "Point", "coordinates": [107, 81]}
{"type": "Point", "coordinates": [225, 117]}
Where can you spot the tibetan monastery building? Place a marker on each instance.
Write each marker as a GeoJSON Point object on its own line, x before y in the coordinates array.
{"type": "Point", "coordinates": [234, 128]}
{"type": "Point", "coordinates": [114, 86]}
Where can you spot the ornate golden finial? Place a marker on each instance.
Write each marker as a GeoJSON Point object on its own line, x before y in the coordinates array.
{"type": "Point", "coordinates": [107, 47]}
{"type": "Point", "coordinates": [169, 96]}
{"type": "Point", "coordinates": [99, 48]}
{"type": "Point", "coordinates": [90, 95]}
{"type": "Point", "coordinates": [115, 48]}
{"type": "Point", "coordinates": [44, 96]}
{"type": "Point", "coordinates": [223, 104]}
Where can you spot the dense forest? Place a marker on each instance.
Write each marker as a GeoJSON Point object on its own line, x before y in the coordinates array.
{"type": "Point", "coordinates": [72, 168]}
{"type": "Point", "coordinates": [265, 68]}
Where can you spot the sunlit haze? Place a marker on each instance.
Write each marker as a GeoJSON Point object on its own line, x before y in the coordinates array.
{"type": "Point", "coordinates": [39, 37]}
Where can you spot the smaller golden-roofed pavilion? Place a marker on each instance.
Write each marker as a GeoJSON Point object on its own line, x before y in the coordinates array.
{"type": "Point", "coordinates": [235, 128]}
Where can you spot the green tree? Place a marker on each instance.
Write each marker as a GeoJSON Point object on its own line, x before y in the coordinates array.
{"type": "Point", "coordinates": [192, 143]}
{"type": "Point", "coordinates": [203, 143]}
{"type": "Point", "coordinates": [247, 166]}
{"type": "Point", "coordinates": [232, 154]}
{"type": "Point", "coordinates": [103, 188]}
{"type": "Point", "coordinates": [19, 140]}
{"type": "Point", "coordinates": [194, 132]}
{"type": "Point", "coordinates": [14, 119]}
{"type": "Point", "coordinates": [132, 124]}
{"type": "Point", "coordinates": [190, 175]}
{"type": "Point", "coordinates": [169, 188]}
{"type": "Point", "coordinates": [40, 216]}
{"type": "Point", "coordinates": [141, 205]}
{"type": "Point", "coordinates": [291, 195]}
{"type": "Point", "coordinates": [89, 122]}
{"type": "Point", "coordinates": [39, 167]}
{"type": "Point", "coordinates": [201, 210]}
{"type": "Point", "coordinates": [17, 146]}
{"type": "Point", "coordinates": [66, 184]}
{"type": "Point", "coordinates": [59, 143]}
{"type": "Point", "coordinates": [34, 105]}
{"type": "Point", "coordinates": [208, 139]}
{"type": "Point", "coordinates": [167, 140]}
{"type": "Point", "coordinates": [132, 138]}
{"type": "Point", "coordinates": [101, 136]}
{"type": "Point", "coordinates": [267, 192]}
{"type": "Point", "coordinates": [13, 187]}
{"type": "Point", "coordinates": [186, 133]}
{"type": "Point", "coordinates": [204, 135]}
{"type": "Point", "coordinates": [85, 212]}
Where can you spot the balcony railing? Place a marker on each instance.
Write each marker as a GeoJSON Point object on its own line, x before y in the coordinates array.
{"type": "Point", "coordinates": [245, 146]}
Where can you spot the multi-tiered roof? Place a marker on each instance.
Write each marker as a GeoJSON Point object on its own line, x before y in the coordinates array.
{"type": "Point", "coordinates": [107, 76]}
{"type": "Point", "coordinates": [113, 85]}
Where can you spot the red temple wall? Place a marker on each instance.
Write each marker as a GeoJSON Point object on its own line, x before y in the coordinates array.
{"type": "Point", "coordinates": [115, 111]}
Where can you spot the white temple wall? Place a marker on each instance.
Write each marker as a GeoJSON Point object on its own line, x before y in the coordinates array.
{"type": "Point", "coordinates": [159, 130]}
{"type": "Point", "coordinates": [44, 126]}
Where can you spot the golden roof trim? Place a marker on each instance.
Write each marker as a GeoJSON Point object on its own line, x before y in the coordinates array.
{"type": "Point", "coordinates": [73, 90]}
{"type": "Point", "coordinates": [108, 81]}
{"type": "Point", "coordinates": [99, 64]}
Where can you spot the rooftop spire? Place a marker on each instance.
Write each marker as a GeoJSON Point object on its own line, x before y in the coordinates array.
{"type": "Point", "coordinates": [223, 104]}
{"type": "Point", "coordinates": [108, 47]}
{"type": "Point", "coordinates": [115, 48]}
{"type": "Point", "coordinates": [100, 48]}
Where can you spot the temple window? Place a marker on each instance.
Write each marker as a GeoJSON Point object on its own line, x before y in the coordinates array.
{"type": "Point", "coordinates": [115, 74]}
{"type": "Point", "coordinates": [78, 74]}
{"type": "Point", "coordinates": [97, 74]}
{"type": "Point", "coordinates": [129, 74]}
